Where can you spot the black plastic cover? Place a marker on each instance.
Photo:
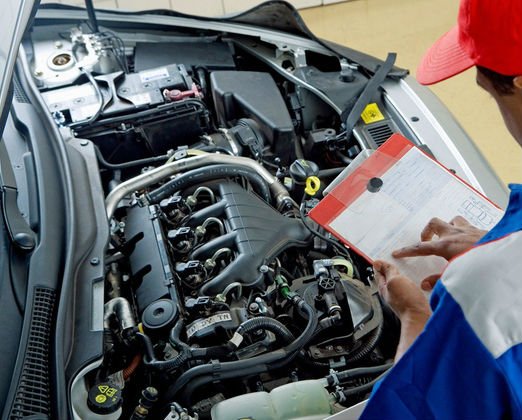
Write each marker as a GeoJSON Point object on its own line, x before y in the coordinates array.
{"type": "Point", "coordinates": [149, 261]}
{"type": "Point", "coordinates": [211, 55]}
{"type": "Point", "coordinates": [254, 95]}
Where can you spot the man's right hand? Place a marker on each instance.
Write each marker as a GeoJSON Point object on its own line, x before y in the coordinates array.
{"type": "Point", "coordinates": [454, 238]}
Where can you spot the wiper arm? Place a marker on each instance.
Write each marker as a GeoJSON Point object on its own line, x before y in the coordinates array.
{"type": "Point", "coordinates": [19, 231]}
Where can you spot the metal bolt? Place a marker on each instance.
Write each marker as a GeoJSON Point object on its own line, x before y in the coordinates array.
{"type": "Point", "coordinates": [263, 269]}
{"type": "Point", "coordinates": [338, 349]}
{"type": "Point", "coordinates": [209, 264]}
{"type": "Point", "coordinates": [95, 261]}
{"type": "Point", "coordinates": [253, 307]}
{"type": "Point", "coordinates": [38, 73]}
{"type": "Point", "coordinates": [84, 142]}
{"type": "Point", "coordinates": [200, 231]}
{"type": "Point", "coordinates": [58, 44]}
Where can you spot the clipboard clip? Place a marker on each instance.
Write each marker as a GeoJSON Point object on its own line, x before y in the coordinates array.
{"type": "Point", "coordinates": [374, 185]}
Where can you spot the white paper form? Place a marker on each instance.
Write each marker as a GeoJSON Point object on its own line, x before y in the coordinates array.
{"type": "Point", "coordinates": [415, 189]}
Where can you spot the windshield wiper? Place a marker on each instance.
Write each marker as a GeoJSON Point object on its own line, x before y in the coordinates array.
{"type": "Point", "coordinates": [19, 231]}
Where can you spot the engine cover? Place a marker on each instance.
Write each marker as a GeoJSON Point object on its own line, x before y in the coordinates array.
{"type": "Point", "coordinates": [256, 232]}
{"type": "Point", "coordinates": [149, 260]}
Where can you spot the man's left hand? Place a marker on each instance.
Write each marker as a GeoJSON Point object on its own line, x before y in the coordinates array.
{"type": "Point", "coordinates": [407, 301]}
{"type": "Point", "coordinates": [402, 294]}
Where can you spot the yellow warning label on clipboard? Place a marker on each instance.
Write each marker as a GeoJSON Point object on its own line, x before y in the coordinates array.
{"type": "Point", "coordinates": [372, 114]}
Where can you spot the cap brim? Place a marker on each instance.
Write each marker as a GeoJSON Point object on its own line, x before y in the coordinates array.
{"type": "Point", "coordinates": [444, 59]}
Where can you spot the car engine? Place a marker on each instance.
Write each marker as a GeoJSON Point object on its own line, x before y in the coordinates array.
{"type": "Point", "coordinates": [221, 295]}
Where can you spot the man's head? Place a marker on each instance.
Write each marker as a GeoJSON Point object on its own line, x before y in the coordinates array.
{"type": "Point", "coordinates": [489, 36]}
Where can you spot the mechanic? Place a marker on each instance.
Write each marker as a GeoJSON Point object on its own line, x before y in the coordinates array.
{"type": "Point", "coordinates": [464, 360]}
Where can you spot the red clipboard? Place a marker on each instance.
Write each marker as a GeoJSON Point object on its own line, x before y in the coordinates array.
{"type": "Point", "coordinates": [374, 222]}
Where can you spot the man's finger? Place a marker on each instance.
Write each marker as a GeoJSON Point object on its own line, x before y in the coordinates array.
{"type": "Point", "coordinates": [434, 227]}
{"type": "Point", "coordinates": [419, 249]}
{"type": "Point", "coordinates": [459, 221]}
{"type": "Point", "coordinates": [385, 268]}
{"type": "Point", "coordinates": [429, 282]}
{"type": "Point", "coordinates": [380, 278]}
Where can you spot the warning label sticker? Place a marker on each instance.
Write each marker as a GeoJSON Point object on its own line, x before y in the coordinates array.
{"type": "Point", "coordinates": [372, 114]}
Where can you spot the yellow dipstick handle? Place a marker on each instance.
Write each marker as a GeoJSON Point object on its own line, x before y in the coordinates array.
{"type": "Point", "coordinates": [312, 185]}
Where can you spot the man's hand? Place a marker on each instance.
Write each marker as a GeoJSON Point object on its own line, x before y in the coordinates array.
{"type": "Point", "coordinates": [403, 295]}
{"type": "Point", "coordinates": [406, 300]}
{"type": "Point", "coordinates": [454, 238]}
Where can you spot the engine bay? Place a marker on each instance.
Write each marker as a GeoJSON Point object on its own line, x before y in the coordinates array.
{"type": "Point", "coordinates": [221, 295]}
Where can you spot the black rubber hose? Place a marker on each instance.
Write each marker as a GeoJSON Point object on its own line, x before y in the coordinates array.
{"type": "Point", "coordinates": [268, 324]}
{"type": "Point", "coordinates": [199, 352]}
{"type": "Point", "coordinates": [252, 366]}
{"type": "Point", "coordinates": [132, 163]}
{"type": "Point", "coordinates": [208, 173]}
{"type": "Point", "coordinates": [150, 359]}
{"type": "Point", "coordinates": [333, 243]}
{"type": "Point", "coordinates": [175, 339]}
{"type": "Point", "coordinates": [357, 372]}
{"type": "Point", "coordinates": [350, 392]}
{"type": "Point", "coordinates": [325, 173]}
{"type": "Point", "coordinates": [344, 159]}
{"type": "Point", "coordinates": [298, 148]}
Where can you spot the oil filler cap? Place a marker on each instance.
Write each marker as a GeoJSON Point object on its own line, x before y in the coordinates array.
{"type": "Point", "coordinates": [104, 398]}
{"type": "Point", "coordinates": [159, 315]}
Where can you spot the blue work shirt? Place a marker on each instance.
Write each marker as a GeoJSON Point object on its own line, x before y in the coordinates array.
{"type": "Point", "coordinates": [467, 363]}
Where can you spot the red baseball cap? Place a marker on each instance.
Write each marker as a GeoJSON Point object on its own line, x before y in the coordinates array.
{"type": "Point", "coordinates": [488, 34]}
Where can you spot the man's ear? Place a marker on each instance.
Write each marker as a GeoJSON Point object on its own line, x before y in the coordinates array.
{"type": "Point", "coordinates": [517, 82]}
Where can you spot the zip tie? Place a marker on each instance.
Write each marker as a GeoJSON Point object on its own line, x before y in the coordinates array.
{"type": "Point", "coordinates": [236, 339]}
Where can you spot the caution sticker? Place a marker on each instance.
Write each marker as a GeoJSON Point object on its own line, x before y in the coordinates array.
{"type": "Point", "coordinates": [107, 390]}
{"type": "Point", "coordinates": [372, 114]}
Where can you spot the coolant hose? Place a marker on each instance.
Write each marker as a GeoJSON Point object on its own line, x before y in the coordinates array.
{"type": "Point", "coordinates": [254, 365]}
{"type": "Point", "coordinates": [208, 173]}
